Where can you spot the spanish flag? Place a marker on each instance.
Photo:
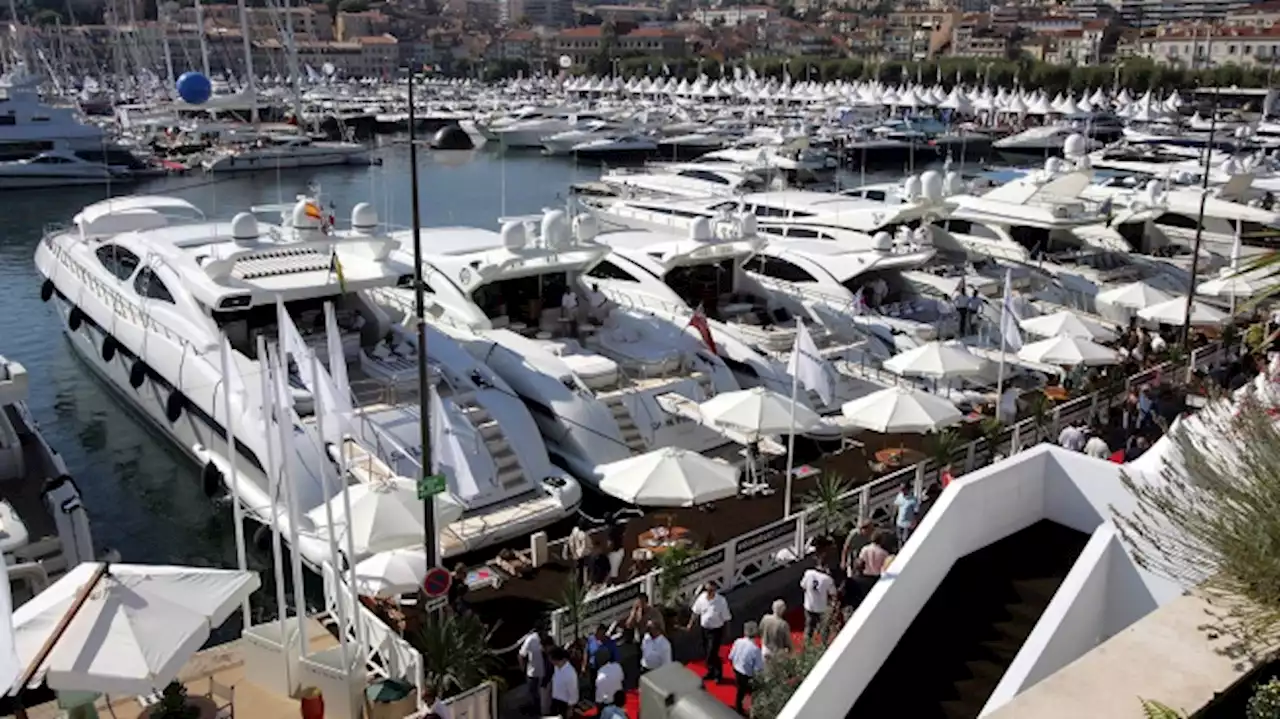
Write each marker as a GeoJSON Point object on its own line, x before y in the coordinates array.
{"type": "Point", "coordinates": [335, 266]}
{"type": "Point", "coordinates": [314, 212]}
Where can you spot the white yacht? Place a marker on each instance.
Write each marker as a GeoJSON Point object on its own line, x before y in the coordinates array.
{"type": "Point", "coordinates": [147, 287]}
{"type": "Point", "coordinates": [682, 180]}
{"type": "Point", "coordinates": [55, 168]}
{"type": "Point", "coordinates": [530, 132]}
{"type": "Point", "coordinates": [562, 143]}
{"type": "Point", "coordinates": [1042, 141]}
{"type": "Point", "coordinates": [287, 153]}
{"type": "Point", "coordinates": [44, 527]}
{"type": "Point", "coordinates": [603, 382]}
{"type": "Point", "coordinates": [28, 126]}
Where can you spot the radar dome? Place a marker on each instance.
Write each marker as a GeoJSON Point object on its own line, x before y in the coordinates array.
{"type": "Point", "coordinates": [513, 236]}
{"type": "Point", "coordinates": [931, 185]}
{"type": "Point", "coordinates": [1242, 132]}
{"type": "Point", "coordinates": [952, 184]}
{"type": "Point", "coordinates": [911, 188]}
{"type": "Point", "coordinates": [1153, 187]}
{"type": "Point", "coordinates": [307, 215]}
{"type": "Point", "coordinates": [883, 241]}
{"type": "Point", "coordinates": [244, 227]}
{"type": "Point", "coordinates": [1074, 146]}
{"type": "Point", "coordinates": [700, 229]}
{"type": "Point", "coordinates": [1053, 166]}
{"type": "Point", "coordinates": [364, 218]}
{"type": "Point", "coordinates": [1083, 162]}
{"type": "Point", "coordinates": [585, 227]}
{"type": "Point", "coordinates": [747, 224]}
{"type": "Point", "coordinates": [555, 228]}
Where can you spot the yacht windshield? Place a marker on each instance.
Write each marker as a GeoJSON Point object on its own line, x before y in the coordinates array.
{"type": "Point", "coordinates": [522, 299]}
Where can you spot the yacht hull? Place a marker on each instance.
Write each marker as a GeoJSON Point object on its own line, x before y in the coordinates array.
{"type": "Point", "coordinates": [255, 162]}
{"type": "Point", "coordinates": [36, 182]}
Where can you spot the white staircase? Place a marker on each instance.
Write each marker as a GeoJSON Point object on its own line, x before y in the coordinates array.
{"type": "Point", "coordinates": [626, 423]}
{"type": "Point", "coordinates": [509, 472]}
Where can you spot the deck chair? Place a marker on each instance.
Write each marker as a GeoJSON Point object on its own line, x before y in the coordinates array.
{"type": "Point", "coordinates": [223, 698]}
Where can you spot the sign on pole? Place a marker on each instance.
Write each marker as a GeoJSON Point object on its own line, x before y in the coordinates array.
{"type": "Point", "coordinates": [431, 485]}
{"type": "Point", "coordinates": [437, 582]}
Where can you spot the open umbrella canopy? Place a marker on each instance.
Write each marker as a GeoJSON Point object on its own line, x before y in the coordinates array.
{"type": "Point", "coordinates": [1174, 312]}
{"type": "Point", "coordinates": [901, 409]}
{"type": "Point", "coordinates": [1069, 324]}
{"type": "Point", "coordinates": [138, 627]}
{"type": "Point", "coordinates": [1231, 283]}
{"type": "Point", "coordinates": [1135, 296]}
{"type": "Point", "coordinates": [758, 412]}
{"type": "Point", "coordinates": [670, 477]}
{"type": "Point", "coordinates": [385, 515]}
{"type": "Point", "coordinates": [390, 574]}
{"type": "Point", "coordinates": [937, 360]}
{"type": "Point", "coordinates": [1068, 351]}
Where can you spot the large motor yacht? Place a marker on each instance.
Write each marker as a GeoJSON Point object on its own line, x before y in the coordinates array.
{"type": "Point", "coordinates": [287, 152]}
{"type": "Point", "coordinates": [603, 382]}
{"type": "Point", "coordinates": [147, 288]}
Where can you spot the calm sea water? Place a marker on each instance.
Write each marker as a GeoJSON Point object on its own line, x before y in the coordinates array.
{"type": "Point", "coordinates": [144, 498]}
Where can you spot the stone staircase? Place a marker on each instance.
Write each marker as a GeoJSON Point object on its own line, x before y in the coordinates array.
{"type": "Point", "coordinates": [509, 472]}
{"type": "Point", "coordinates": [961, 643]}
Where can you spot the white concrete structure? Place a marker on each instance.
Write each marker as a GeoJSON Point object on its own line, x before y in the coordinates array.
{"type": "Point", "coordinates": [1104, 592]}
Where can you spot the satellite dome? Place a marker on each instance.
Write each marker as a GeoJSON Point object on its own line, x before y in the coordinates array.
{"type": "Point", "coordinates": [307, 215]}
{"type": "Point", "coordinates": [555, 228]}
{"type": "Point", "coordinates": [585, 227]}
{"type": "Point", "coordinates": [911, 188]}
{"type": "Point", "coordinates": [244, 228]}
{"type": "Point", "coordinates": [1074, 146]}
{"type": "Point", "coordinates": [883, 241]}
{"type": "Point", "coordinates": [952, 184]}
{"type": "Point", "coordinates": [513, 236]}
{"type": "Point", "coordinates": [364, 218]}
{"type": "Point", "coordinates": [747, 224]}
{"type": "Point", "coordinates": [700, 230]}
{"type": "Point", "coordinates": [931, 185]}
{"type": "Point", "coordinates": [1053, 166]}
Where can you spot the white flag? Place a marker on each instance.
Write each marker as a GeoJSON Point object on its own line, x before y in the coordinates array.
{"type": "Point", "coordinates": [337, 360]}
{"type": "Point", "coordinates": [234, 381]}
{"type": "Point", "coordinates": [449, 454]}
{"type": "Point", "coordinates": [1011, 336]}
{"type": "Point", "coordinates": [313, 376]}
{"type": "Point", "coordinates": [808, 366]}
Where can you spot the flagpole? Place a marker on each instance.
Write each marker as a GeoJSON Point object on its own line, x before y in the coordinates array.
{"type": "Point", "coordinates": [284, 423]}
{"type": "Point", "coordinates": [328, 506]}
{"type": "Point", "coordinates": [273, 487]}
{"type": "Point", "coordinates": [338, 366]}
{"type": "Point", "coordinates": [791, 439]}
{"type": "Point", "coordinates": [237, 512]}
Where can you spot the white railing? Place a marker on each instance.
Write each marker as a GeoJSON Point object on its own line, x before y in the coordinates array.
{"type": "Point", "coordinates": [741, 560]}
{"type": "Point", "coordinates": [383, 652]}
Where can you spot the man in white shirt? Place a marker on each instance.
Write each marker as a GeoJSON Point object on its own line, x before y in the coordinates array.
{"type": "Point", "coordinates": [1072, 437]}
{"type": "Point", "coordinates": [747, 662]}
{"type": "Point", "coordinates": [818, 588]}
{"type": "Point", "coordinates": [564, 684]}
{"type": "Point", "coordinates": [1097, 446]}
{"type": "Point", "coordinates": [608, 678]}
{"type": "Point", "coordinates": [655, 649]}
{"type": "Point", "coordinates": [711, 612]}
{"type": "Point", "coordinates": [530, 657]}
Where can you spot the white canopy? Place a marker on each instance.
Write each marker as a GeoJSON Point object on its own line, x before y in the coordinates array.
{"type": "Point", "coordinates": [937, 360]}
{"type": "Point", "coordinates": [901, 409]}
{"type": "Point", "coordinates": [758, 412]}
{"type": "Point", "coordinates": [1069, 324]}
{"type": "Point", "coordinates": [1068, 351]}
{"type": "Point", "coordinates": [138, 627]}
{"type": "Point", "coordinates": [1173, 312]}
{"type": "Point", "coordinates": [1231, 284]}
{"type": "Point", "coordinates": [670, 477]}
{"type": "Point", "coordinates": [385, 515]}
{"type": "Point", "coordinates": [390, 574]}
{"type": "Point", "coordinates": [1135, 296]}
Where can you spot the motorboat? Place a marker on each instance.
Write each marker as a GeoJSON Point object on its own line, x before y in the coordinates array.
{"type": "Point", "coordinates": [285, 152]}
{"type": "Point", "coordinates": [563, 143]}
{"type": "Point", "coordinates": [44, 526]}
{"type": "Point", "coordinates": [529, 132]}
{"type": "Point", "coordinates": [147, 289]}
{"type": "Point", "coordinates": [603, 382]}
{"type": "Point", "coordinates": [1042, 141]}
{"type": "Point", "coordinates": [682, 180]}
{"type": "Point", "coordinates": [615, 147]}
{"type": "Point", "coordinates": [55, 168]}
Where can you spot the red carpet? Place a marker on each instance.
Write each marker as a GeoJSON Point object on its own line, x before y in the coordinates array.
{"type": "Point", "coordinates": [725, 692]}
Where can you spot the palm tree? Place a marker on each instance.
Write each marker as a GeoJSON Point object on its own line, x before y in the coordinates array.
{"type": "Point", "coordinates": [943, 446]}
{"type": "Point", "coordinates": [673, 567]}
{"type": "Point", "coordinates": [826, 501]}
{"type": "Point", "coordinates": [574, 600]}
{"type": "Point", "coordinates": [991, 429]}
{"type": "Point", "coordinates": [455, 652]}
{"type": "Point", "coordinates": [1156, 710]}
{"type": "Point", "coordinates": [1038, 405]}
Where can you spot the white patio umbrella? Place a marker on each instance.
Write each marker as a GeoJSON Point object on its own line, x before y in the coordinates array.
{"type": "Point", "coordinates": [1068, 351]}
{"type": "Point", "coordinates": [901, 409]}
{"type": "Point", "coordinates": [137, 628]}
{"type": "Point", "coordinates": [1135, 296]}
{"type": "Point", "coordinates": [758, 412]}
{"type": "Point", "coordinates": [390, 574]}
{"type": "Point", "coordinates": [1069, 324]}
{"type": "Point", "coordinates": [670, 477]}
{"type": "Point", "coordinates": [1174, 311]}
{"type": "Point", "coordinates": [937, 360]}
{"type": "Point", "coordinates": [385, 515]}
{"type": "Point", "coordinates": [1231, 284]}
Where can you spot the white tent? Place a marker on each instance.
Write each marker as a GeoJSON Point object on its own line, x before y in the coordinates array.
{"type": "Point", "coordinates": [1068, 351]}
{"type": "Point", "coordinates": [135, 631]}
{"type": "Point", "coordinates": [1135, 296]}
{"type": "Point", "coordinates": [901, 409]}
{"type": "Point", "coordinates": [1174, 312]}
{"type": "Point", "coordinates": [385, 515]}
{"type": "Point", "coordinates": [936, 360]}
{"type": "Point", "coordinates": [670, 477]}
{"type": "Point", "coordinates": [390, 574]}
{"type": "Point", "coordinates": [1069, 324]}
{"type": "Point", "coordinates": [758, 412]}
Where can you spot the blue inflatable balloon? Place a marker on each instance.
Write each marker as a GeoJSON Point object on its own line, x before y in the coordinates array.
{"type": "Point", "coordinates": [194, 88]}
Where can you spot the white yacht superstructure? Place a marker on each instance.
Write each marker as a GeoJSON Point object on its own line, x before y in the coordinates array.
{"type": "Point", "coordinates": [147, 288]}
{"type": "Point", "coordinates": [603, 382]}
{"type": "Point", "coordinates": [287, 153]}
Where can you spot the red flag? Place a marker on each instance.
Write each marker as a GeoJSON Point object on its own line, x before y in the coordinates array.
{"type": "Point", "coordinates": [699, 320]}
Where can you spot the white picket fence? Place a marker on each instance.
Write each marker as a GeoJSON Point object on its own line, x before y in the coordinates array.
{"type": "Point", "coordinates": [740, 561]}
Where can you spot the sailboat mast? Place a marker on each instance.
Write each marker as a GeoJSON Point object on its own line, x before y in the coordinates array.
{"type": "Point", "coordinates": [248, 65]}
{"type": "Point", "coordinates": [419, 307]}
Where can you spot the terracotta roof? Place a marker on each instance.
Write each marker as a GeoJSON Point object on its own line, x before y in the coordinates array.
{"type": "Point", "coordinates": [585, 33]}
{"type": "Point", "coordinates": [1188, 32]}
{"type": "Point", "coordinates": [658, 32]}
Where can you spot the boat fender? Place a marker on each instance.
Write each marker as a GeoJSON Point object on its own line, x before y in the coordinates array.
{"type": "Point", "coordinates": [173, 406]}
{"type": "Point", "coordinates": [262, 538]}
{"type": "Point", "coordinates": [108, 349]}
{"type": "Point", "coordinates": [74, 318]}
{"type": "Point", "coordinates": [137, 374]}
{"type": "Point", "coordinates": [211, 480]}
{"type": "Point", "coordinates": [46, 290]}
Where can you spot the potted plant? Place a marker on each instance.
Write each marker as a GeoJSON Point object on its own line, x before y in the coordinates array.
{"type": "Point", "coordinates": [455, 652]}
{"type": "Point", "coordinates": [574, 600]}
{"type": "Point", "coordinates": [173, 704]}
{"type": "Point", "coordinates": [943, 446]}
{"type": "Point", "coordinates": [1038, 406]}
{"type": "Point", "coordinates": [827, 503]}
{"type": "Point", "coordinates": [991, 429]}
{"type": "Point", "coordinates": [672, 566]}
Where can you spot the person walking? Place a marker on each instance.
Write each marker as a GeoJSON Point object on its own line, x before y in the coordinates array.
{"type": "Point", "coordinates": [819, 588]}
{"type": "Point", "coordinates": [564, 685]}
{"type": "Point", "coordinates": [747, 661]}
{"type": "Point", "coordinates": [531, 665]}
{"type": "Point", "coordinates": [775, 631]}
{"type": "Point", "coordinates": [907, 505]}
{"type": "Point", "coordinates": [655, 649]}
{"type": "Point", "coordinates": [711, 612]}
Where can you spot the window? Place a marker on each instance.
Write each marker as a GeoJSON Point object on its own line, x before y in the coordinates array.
{"type": "Point", "coordinates": [147, 284]}
{"type": "Point", "coordinates": [50, 160]}
{"type": "Point", "coordinates": [8, 120]}
{"type": "Point", "coordinates": [606, 270]}
{"type": "Point", "coordinates": [780, 269]}
{"type": "Point", "coordinates": [877, 195]}
{"type": "Point", "coordinates": [118, 261]}
{"type": "Point", "coordinates": [766, 211]}
{"type": "Point", "coordinates": [1172, 219]}
{"type": "Point", "coordinates": [705, 175]}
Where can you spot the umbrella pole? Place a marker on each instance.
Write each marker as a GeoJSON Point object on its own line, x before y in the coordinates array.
{"type": "Point", "coordinates": [61, 628]}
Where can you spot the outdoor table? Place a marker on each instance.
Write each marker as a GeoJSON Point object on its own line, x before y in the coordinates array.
{"type": "Point", "coordinates": [1056, 393]}
{"type": "Point", "coordinates": [898, 456]}
{"type": "Point", "coordinates": [660, 539]}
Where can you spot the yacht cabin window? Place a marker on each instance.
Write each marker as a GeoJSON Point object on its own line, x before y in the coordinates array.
{"type": "Point", "coordinates": [147, 284]}
{"type": "Point", "coordinates": [1173, 219]}
{"type": "Point", "coordinates": [705, 175]}
{"type": "Point", "coordinates": [779, 269]}
{"type": "Point", "coordinates": [50, 160]}
{"type": "Point", "coordinates": [522, 299]}
{"type": "Point", "coordinates": [606, 270]}
{"type": "Point", "coordinates": [8, 120]}
{"type": "Point", "coordinates": [118, 261]}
